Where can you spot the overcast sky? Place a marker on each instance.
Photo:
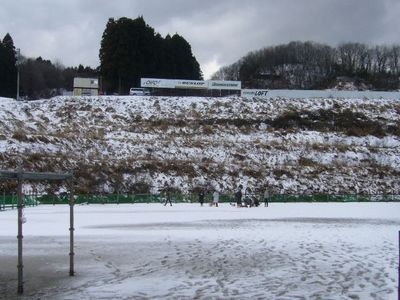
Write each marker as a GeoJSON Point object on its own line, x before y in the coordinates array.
{"type": "Point", "coordinates": [220, 31]}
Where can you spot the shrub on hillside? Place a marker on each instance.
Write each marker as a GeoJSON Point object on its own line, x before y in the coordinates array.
{"type": "Point", "coordinates": [208, 130]}
{"type": "Point", "coordinates": [139, 187]}
{"type": "Point", "coordinates": [347, 121]}
{"type": "Point", "coordinates": [281, 172]}
{"type": "Point", "coordinates": [306, 162]}
{"type": "Point", "coordinates": [20, 135]}
{"type": "Point", "coordinates": [35, 157]}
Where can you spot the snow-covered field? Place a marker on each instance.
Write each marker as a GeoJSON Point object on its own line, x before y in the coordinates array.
{"type": "Point", "coordinates": [148, 251]}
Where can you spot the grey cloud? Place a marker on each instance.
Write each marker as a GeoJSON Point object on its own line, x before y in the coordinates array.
{"type": "Point", "coordinates": [222, 30]}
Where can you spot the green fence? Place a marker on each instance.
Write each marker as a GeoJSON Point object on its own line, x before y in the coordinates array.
{"type": "Point", "coordinates": [115, 199]}
{"type": "Point", "coordinates": [335, 198]}
{"type": "Point", "coordinates": [190, 198]}
{"type": "Point", "coordinates": [10, 201]}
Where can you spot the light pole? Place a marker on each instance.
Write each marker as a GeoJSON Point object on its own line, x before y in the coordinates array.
{"type": "Point", "coordinates": [18, 57]}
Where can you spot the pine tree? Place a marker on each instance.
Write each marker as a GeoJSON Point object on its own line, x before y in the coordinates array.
{"type": "Point", "coordinates": [107, 57]}
{"type": "Point", "coordinates": [185, 64]}
{"type": "Point", "coordinates": [8, 69]}
{"type": "Point", "coordinates": [127, 53]}
{"type": "Point", "coordinates": [131, 49]}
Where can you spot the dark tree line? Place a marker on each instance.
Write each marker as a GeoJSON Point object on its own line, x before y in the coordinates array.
{"type": "Point", "coordinates": [131, 49]}
{"type": "Point", "coordinates": [39, 78]}
{"type": "Point", "coordinates": [309, 65]}
{"type": "Point", "coordinates": [42, 79]}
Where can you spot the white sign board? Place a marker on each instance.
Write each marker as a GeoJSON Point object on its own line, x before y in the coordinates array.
{"type": "Point", "coordinates": [157, 83]}
{"type": "Point", "coordinates": [172, 83]}
{"type": "Point", "coordinates": [255, 93]}
{"type": "Point", "coordinates": [191, 84]}
{"type": "Point", "coordinates": [304, 94]}
{"type": "Point", "coordinates": [224, 85]}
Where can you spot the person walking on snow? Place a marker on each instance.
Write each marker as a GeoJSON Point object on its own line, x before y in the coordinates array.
{"type": "Point", "coordinates": [168, 199]}
{"type": "Point", "coordinates": [216, 198]}
{"type": "Point", "coordinates": [266, 198]}
{"type": "Point", "coordinates": [201, 197]}
{"type": "Point", "coordinates": [238, 196]}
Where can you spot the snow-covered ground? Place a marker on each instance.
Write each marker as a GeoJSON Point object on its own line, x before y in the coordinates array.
{"type": "Point", "coordinates": [148, 251]}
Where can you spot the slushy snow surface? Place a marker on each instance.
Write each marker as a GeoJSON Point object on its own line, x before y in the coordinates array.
{"type": "Point", "coordinates": [184, 251]}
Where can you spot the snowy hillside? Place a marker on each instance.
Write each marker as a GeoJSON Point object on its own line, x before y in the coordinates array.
{"type": "Point", "coordinates": [142, 144]}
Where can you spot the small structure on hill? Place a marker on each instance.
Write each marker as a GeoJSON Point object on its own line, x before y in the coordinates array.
{"type": "Point", "coordinates": [86, 86]}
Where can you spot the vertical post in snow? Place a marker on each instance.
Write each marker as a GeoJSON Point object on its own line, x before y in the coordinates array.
{"type": "Point", "coordinates": [398, 281]}
{"type": "Point", "coordinates": [20, 237]}
{"type": "Point", "coordinates": [71, 234]}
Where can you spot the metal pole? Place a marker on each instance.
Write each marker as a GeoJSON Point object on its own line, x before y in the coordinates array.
{"type": "Point", "coordinates": [17, 83]}
{"type": "Point", "coordinates": [398, 271]}
{"type": "Point", "coordinates": [20, 237]}
{"type": "Point", "coordinates": [18, 62]}
{"type": "Point", "coordinates": [71, 234]}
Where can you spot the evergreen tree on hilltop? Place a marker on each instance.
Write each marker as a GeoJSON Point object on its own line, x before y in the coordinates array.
{"type": "Point", "coordinates": [126, 52]}
{"type": "Point", "coordinates": [8, 69]}
{"type": "Point", "coordinates": [180, 61]}
{"type": "Point", "coordinates": [131, 49]}
{"type": "Point", "coordinates": [186, 64]}
{"type": "Point", "coordinates": [106, 55]}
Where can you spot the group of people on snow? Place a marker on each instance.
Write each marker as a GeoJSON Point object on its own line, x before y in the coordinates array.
{"type": "Point", "coordinates": [249, 200]}
{"type": "Point", "coordinates": [215, 198]}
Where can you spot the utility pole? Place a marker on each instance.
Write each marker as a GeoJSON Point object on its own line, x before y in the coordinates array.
{"type": "Point", "coordinates": [18, 57]}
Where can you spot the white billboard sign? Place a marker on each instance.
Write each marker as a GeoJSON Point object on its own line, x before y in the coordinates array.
{"type": "Point", "coordinates": [224, 85]}
{"type": "Point", "coordinates": [173, 83]}
{"type": "Point", "coordinates": [302, 94]}
{"type": "Point", "coordinates": [191, 84]}
{"type": "Point", "coordinates": [157, 83]}
{"type": "Point", "coordinates": [247, 93]}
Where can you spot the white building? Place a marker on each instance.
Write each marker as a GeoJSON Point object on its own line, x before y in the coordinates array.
{"type": "Point", "coordinates": [86, 86]}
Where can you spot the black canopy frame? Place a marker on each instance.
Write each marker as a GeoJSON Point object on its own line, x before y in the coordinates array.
{"type": "Point", "coordinates": [20, 176]}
